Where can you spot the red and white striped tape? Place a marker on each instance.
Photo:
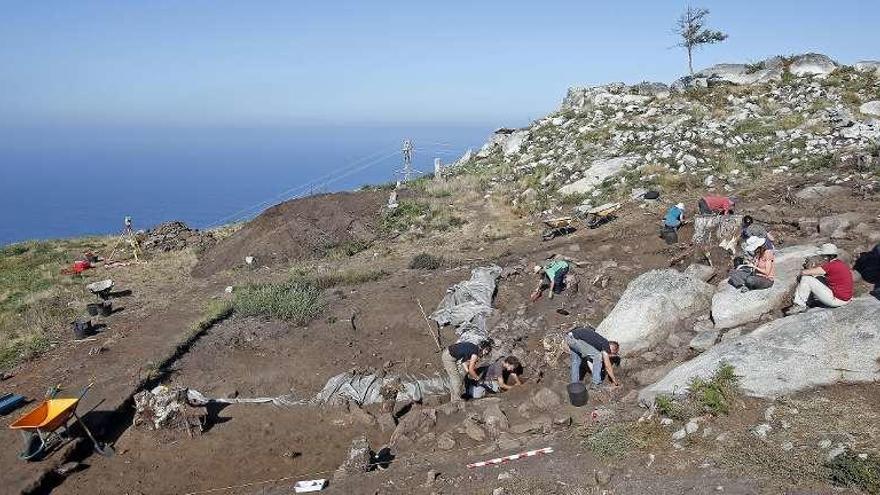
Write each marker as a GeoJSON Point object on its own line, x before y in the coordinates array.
{"type": "Point", "coordinates": [502, 460]}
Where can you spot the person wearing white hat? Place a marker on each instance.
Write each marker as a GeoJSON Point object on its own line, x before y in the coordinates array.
{"type": "Point", "coordinates": [674, 216]}
{"type": "Point", "coordinates": [759, 274]}
{"type": "Point", "coordinates": [833, 289]}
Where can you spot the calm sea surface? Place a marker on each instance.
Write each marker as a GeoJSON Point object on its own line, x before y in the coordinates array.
{"type": "Point", "coordinates": [64, 183]}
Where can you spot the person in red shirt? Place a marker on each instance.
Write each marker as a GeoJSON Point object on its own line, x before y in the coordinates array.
{"type": "Point", "coordinates": [716, 204]}
{"type": "Point", "coordinates": [834, 291]}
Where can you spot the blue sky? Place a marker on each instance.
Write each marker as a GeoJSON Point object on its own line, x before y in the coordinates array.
{"type": "Point", "coordinates": [275, 63]}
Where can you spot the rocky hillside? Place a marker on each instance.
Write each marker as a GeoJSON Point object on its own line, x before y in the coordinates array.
{"type": "Point", "coordinates": [722, 127]}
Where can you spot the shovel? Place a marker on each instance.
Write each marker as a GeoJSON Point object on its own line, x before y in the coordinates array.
{"type": "Point", "coordinates": [106, 450]}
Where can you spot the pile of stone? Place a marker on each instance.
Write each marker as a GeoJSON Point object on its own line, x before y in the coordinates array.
{"type": "Point", "coordinates": [173, 236]}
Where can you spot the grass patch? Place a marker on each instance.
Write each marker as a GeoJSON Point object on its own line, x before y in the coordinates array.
{"type": "Point", "coordinates": [611, 442]}
{"type": "Point", "coordinates": [705, 396]}
{"type": "Point", "coordinates": [425, 261]}
{"type": "Point", "coordinates": [297, 301]}
{"type": "Point", "coordinates": [346, 249]}
{"type": "Point", "coordinates": [35, 295]}
{"type": "Point", "coordinates": [419, 215]}
{"type": "Point", "coordinates": [618, 440]}
{"type": "Point", "coordinates": [216, 311]}
{"type": "Point", "coordinates": [850, 470]}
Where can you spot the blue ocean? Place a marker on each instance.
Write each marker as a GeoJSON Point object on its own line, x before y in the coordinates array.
{"type": "Point", "coordinates": [61, 182]}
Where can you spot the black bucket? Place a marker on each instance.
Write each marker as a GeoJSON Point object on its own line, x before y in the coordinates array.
{"type": "Point", "coordinates": [93, 308]}
{"type": "Point", "coordinates": [578, 394]}
{"type": "Point", "coordinates": [106, 308]}
{"type": "Point", "coordinates": [81, 328]}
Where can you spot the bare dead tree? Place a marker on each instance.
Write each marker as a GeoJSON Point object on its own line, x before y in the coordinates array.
{"type": "Point", "coordinates": [691, 27]}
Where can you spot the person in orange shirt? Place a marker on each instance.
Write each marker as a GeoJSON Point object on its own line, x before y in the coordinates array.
{"type": "Point", "coordinates": [723, 205]}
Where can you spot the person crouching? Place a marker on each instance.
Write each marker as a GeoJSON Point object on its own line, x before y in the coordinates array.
{"type": "Point", "coordinates": [460, 361]}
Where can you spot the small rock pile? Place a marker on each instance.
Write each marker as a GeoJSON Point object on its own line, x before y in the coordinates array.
{"type": "Point", "coordinates": [174, 236]}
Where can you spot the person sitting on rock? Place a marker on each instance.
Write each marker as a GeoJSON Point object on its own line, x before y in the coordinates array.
{"type": "Point", "coordinates": [555, 275]}
{"type": "Point", "coordinates": [585, 343]}
{"type": "Point", "coordinates": [760, 272]}
{"type": "Point", "coordinates": [674, 217]}
{"type": "Point", "coordinates": [752, 229]}
{"type": "Point", "coordinates": [830, 284]}
{"type": "Point", "coordinates": [501, 375]}
{"type": "Point", "coordinates": [709, 205]}
{"type": "Point", "coordinates": [460, 362]}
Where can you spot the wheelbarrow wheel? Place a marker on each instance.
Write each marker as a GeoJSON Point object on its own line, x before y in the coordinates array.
{"type": "Point", "coordinates": [34, 446]}
{"type": "Point", "coordinates": [548, 234]}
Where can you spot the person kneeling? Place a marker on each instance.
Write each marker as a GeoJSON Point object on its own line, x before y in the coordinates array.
{"type": "Point", "coordinates": [501, 375]}
{"type": "Point", "coordinates": [830, 284]}
{"type": "Point", "coordinates": [758, 275]}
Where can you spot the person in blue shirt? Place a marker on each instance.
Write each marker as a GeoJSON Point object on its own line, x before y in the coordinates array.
{"type": "Point", "coordinates": [674, 216]}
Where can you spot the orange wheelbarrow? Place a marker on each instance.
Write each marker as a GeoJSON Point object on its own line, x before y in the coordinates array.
{"type": "Point", "coordinates": [46, 427]}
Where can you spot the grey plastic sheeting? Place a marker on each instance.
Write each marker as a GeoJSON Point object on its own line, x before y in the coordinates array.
{"type": "Point", "coordinates": [467, 304]}
{"type": "Point", "coordinates": [366, 389]}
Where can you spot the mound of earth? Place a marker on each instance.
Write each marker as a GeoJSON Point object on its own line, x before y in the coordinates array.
{"type": "Point", "coordinates": [299, 229]}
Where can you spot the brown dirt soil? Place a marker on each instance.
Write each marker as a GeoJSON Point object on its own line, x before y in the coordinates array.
{"type": "Point", "coordinates": [299, 229]}
{"type": "Point", "coordinates": [254, 357]}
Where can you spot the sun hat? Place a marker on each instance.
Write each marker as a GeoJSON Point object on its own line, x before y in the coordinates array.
{"type": "Point", "coordinates": [828, 249]}
{"type": "Point", "coordinates": [680, 206]}
{"type": "Point", "coordinates": [753, 243]}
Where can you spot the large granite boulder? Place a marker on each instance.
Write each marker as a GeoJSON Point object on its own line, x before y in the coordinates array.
{"type": "Point", "coordinates": [812, 64]}
{"type": "Point", "coordinates": [819, 347]}
{"type": "Point", "coordinates": [654, 304]}
{"type": "Point", "coordinates": [742, 73]}
{"type": "Point", "coordinates": [732, 308]}
{"type": "Point", "coordinates": [598, 171]}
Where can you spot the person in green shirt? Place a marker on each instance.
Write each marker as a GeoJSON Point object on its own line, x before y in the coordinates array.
{"type": "Point", "coordinates": [554, 275]}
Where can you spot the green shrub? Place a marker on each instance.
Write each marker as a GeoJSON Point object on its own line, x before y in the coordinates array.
{"type": "Point", "coordinates": [713, 396]}
{"type": "Point", "coordinates": [425, 261]}
{"type": "Point", "coordinates": [297, 300]}
{"type": "Point", "coordinates": [850, 470]}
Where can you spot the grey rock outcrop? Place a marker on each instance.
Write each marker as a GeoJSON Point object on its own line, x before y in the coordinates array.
{"type": "Point", "coordinates": [653, 305]}
{"type": "Point", "coordinates": [704, 340]}
{"type": "Point", "coordinates": [700, 272]}
{"type": "Point", "coordinates": [731, 308]}
{"type": "Point", "coordinates": [871, 108]}
{"type": "Point", "coordinates": [868, 66]}
{"type": "Point", "coordinates": [819, 347]}
{"type": "Point", "coordinates": [814, 193]}
{"type": "Point", "coordinates": [837, 225]}
{"type": "Point", "coordinates": [598, 171]}
{"type": "Point", "coordinates": [357, 462]}
{"type": "Point", "coordinates": [742, 73]}
{"type": "Point", "coordinates": [812, 64]}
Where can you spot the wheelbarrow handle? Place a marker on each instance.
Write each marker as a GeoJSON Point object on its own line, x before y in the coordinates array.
{"type": "Point", "coordinates": [85, 390]}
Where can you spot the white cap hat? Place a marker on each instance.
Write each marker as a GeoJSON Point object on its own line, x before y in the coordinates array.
{"type": "Point", "coordinates": [828, 249]}
{"type": "Point", "coordinates": [680, 206]}
{"type": "Point", "coordinates": [753, 243]}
